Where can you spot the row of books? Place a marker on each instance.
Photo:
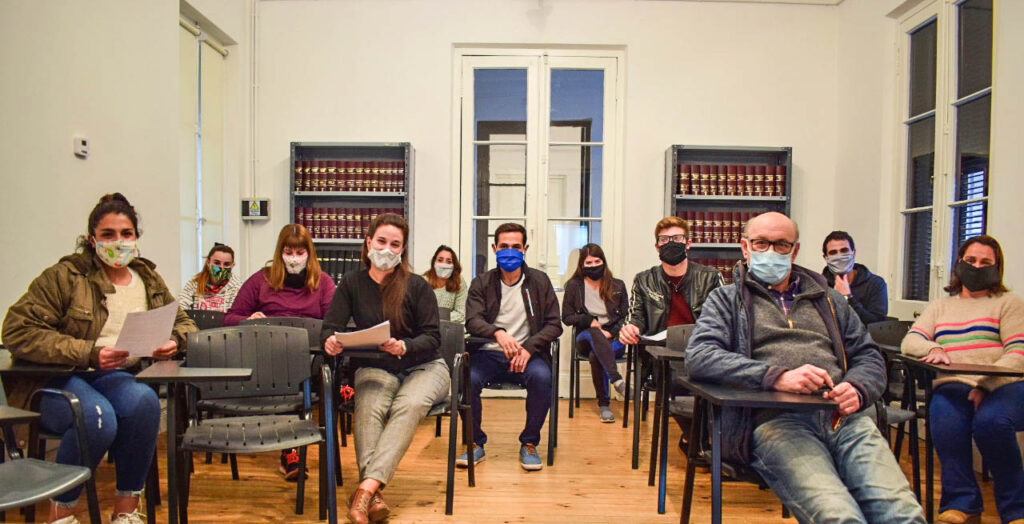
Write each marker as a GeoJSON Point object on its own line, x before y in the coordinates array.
{"type": "Point", "coordinates": [336, 262]}
{"type": "Point", "coordinates": [724, 266]}
{"type": "Point", "coordinates": [382, 176]}
{"type": "Point", "coordinates": [340, 222]}
{"type": "Point", "coordinates": [719, 227]}
{"type": "Point", "coordinates": [760, 180]}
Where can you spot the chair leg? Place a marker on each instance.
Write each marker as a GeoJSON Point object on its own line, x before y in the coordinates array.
{"type": "Point", "coordinates": [572, 378]}
{"type": "Point", "coordinates": [785, 512]}
{"type": "Point", "coordinates": [234, 466]}
{"type": "Point", "coordinates": [209, 457]}
{"type": "Point", "coordinates": [153, 483]}
{"type": "Point", "coordinates": [300, 488]}
{"type": "Point", "coordinates": [691, 458]}
{"type": "Point", "coordinates": [321, 478]}
{"type": "Point", "coordinates": [437, 426]}
{"type": "Point", "coordinates": [92, 500]}
{"type": "Point", "coordinates": [449, 488]}
{"type": "Point", "coordinates": [645, 404]}
{"type": "Point", "coordinates": [576, 373]}
{"type": "Point", "coordinates": [629, 376]}
{"type": "Point", "coordinates": [223, 458]}
{"type": "Point", "coordinates": [344, 429]}
{"type": "Point", "coordinates": [897, 447]}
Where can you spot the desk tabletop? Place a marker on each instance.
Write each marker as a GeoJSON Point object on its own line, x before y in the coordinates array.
{"type": "Point", "coordinates": [964, 369]}
{"type": "Point", "coordinates": [12, 415]}
{"type": "Point", "coordinates": [19, 367]}
{"type": "Point", "coordinates": [663, 353]}
{"type": "Point", "coordinates": [748, 398]}
{"type": "Point", "coordinates": [365, 354]}
{"type": "Point", "coordinates": [167, 371]}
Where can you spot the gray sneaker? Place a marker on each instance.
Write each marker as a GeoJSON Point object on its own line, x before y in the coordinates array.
{"type": "Point", "coordinates": [620, 388]}
{"type": "Point", "coordinates": [606, 414]}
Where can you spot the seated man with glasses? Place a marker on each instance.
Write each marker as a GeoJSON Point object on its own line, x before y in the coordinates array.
{"type": "Point", "coordinates": [780, 327]}
{"type": "Point", "coordinates": [669, 294]}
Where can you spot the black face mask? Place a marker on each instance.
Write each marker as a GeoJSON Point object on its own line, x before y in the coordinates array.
{"type": "Point", "coordinates": [672, 253]}
{"type": "Point", "coordinates": [593, 272]}
{"type": "Point", "coordinates": [977, 278]}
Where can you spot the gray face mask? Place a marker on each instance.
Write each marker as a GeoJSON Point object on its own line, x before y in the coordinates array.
{"type": "Point", "coordinates": [841, 263]}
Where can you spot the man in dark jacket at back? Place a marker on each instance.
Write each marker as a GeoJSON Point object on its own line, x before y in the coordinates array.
{"type": "Point", "coordinates": [780, 328]}
{"type": "Point", "coordinates": [515, 306]}
{"type": "Point", "coordinates": [863, 290]}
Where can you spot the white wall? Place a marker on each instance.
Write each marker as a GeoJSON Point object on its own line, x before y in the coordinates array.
{"type": "Point", "coordinates": [106, 70]}
{"type": "Point", "coordinates": [697, 73]}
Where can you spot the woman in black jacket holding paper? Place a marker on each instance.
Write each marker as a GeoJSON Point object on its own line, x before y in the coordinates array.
{"type": "Point", "coordinates": [394, 391]}
{"type": "Point", "coordinates": [596, 303]}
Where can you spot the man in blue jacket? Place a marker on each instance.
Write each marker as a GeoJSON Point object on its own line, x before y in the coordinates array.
{"type": "Point", "coordinates": [780, 327]}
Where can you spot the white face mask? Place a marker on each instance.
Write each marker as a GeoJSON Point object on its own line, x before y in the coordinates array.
{"type": "Point", "coordinates": [384, 259]}
{"type": "Point", "coordinates": [444, 270]}
{"type": "Point", "coordinates": [295, 264]}
{"type": "Point", "coordinates": [117, 253]}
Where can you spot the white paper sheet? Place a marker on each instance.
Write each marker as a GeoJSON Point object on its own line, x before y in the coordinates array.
{"type": "Point", "coordinates": [368, 338]}
{"type": "Point", "coordinates": [657, 337]}
{"type": "Point", "coordinates": [145, 331]}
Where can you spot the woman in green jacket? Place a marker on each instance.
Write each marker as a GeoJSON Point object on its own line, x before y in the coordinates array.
{"type": "Point", "coordinates": [72, 314]}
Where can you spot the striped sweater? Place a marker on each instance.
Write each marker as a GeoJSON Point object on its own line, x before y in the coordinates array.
{"type": "Point", "coordinates": [987, 330]}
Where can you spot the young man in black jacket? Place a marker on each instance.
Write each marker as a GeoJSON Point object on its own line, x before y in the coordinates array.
{"type": "Point", "coordinates": [516, 307]}
{"type": "Point", "coordinates": [863, 290]}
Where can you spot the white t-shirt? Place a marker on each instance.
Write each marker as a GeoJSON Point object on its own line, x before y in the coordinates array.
{"type": "Point", "coordinates": [512, 314]}
{"type": "Point", "coordinates": [124, 300]}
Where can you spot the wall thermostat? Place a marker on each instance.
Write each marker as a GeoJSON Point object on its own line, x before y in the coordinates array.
{"type": "Point", "coordinates": [255, 208]}
{"type": "Point", "coordinates": [81, 147]}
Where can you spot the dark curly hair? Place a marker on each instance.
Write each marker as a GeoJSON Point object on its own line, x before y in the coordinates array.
{"type": "Point", "coordinates": [110, 203]}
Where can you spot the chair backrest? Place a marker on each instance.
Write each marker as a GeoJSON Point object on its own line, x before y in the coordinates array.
{"type": "Point", "coordinates": [313, 326]}
{"type": "Point", "coordinates": [453, 341]}
{"type": "Point", "coordinates": [206, 319]}
{"type": "Point", "coordinates": [678, 337]}
{"type": "Point", "coordinates": [277, 355]}
{"type": "Point", "coordinates": [445, 313]}
{"type": "Point", "coordinates": [889, 332]}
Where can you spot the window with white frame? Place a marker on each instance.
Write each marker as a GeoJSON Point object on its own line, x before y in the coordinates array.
{"type": "Point", "coordinates": [946, 78]}
{"type": "Point", "coordinates": [538, 147]}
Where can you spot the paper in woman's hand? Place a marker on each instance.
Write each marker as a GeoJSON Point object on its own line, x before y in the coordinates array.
{"type": "Point", "coordinates": [145, 331]}
{"type": "Point", "coordinates": [368, 338]}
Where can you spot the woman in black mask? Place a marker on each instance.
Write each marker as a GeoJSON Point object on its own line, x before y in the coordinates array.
{"type": "Point", "coordinates": [595, 304]}
{"type": "Point", "coordinates": [979, 323]}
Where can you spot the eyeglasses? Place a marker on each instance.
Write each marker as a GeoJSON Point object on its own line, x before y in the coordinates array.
{"type": "Point", "coordinates": [782, 247]}
{"type": "Point", "coordinates": [665, 239]}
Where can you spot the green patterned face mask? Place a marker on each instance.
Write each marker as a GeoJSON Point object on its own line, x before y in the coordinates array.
{"type": "Point", "coordinates": [117, 253]}
{"type": "Point", "coordinates": [219, 274]}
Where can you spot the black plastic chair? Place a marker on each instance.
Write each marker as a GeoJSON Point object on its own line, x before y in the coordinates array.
{"type": "Point", "coordinates": [511, 386]}
{"type": "Point", "coordinates": [313, 326]}
{"type": "Point", "coordinates": [206, 319]}
{"type": "Point", "coordinates": [574, 373]}
{"type": "Point", "coordinates": [279, 358]}
{"type": "Point", "coordinates": [453, 349]}
{"type": "Point", "coordinates": [890, 333]}
{"type": "Point", "coordinates": [444, 313]}
{"type": "Point", "coordinates": [26, 481]}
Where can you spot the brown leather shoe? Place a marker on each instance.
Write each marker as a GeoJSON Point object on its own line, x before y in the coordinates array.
{"type": "Point", "coordinates": [358, 507]}
{"type": "Point", "coordinates": [378, 510]}
{"type": "Point", "coordinates": [953, 516]}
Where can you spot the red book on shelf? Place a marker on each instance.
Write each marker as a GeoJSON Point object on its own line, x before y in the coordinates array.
{"type": "Point", "coordinates": [400, 171]}
{"type": "Point", "coordinates": [314, 175]}
{"type": "Point", "coordinates": [734, 227]}
{"type": "Point", "coordinates": [759, 180]}
{"type": "Point", "coordinates": [780, 181]}
{"type": "Point", "coordinates": [723, 178]}
{"type": "Point", "coordinates": [708, 231]}
{"type": "Point", "coordinates": [346, 223]}
{"type": "Point", "coordinates": [332, 222]}
{"type": "Point", "coordinates": [386, 177]}
{"type": "Point", "coordinates": [769, 181]}
{"type": "Point", "coordinates": [683, 188]}
{"type": "Point", "coordinates": [304, 175]}
{"type": "Point", "coordinates": [730, 180]}
{"type": "Point", "coordinates": [297, 183]}
{"type": "Point", "coordinates": [716, 227]}
{"type": "Point", "coordinates": [747, 184]}
{"type": "Point", "coordinates": [341, 183]}
{"type": "Point", "coordinates": [298, 215]}
{"type": "Point", "coordinates": [698, 227]}
{"type": "Point", "coordinates": [713, 180]}
{"type": "Point", "coordinates": [307, 218]}
{"type": "Point", "coordinates": [329, 172]}
{"type": "Point", "coordinates": [371, 176]}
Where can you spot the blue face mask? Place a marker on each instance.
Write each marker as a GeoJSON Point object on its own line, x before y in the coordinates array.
{"type": "Point", "coordinates": [510, 260]}
{"type": "Point", "coordinates": [769, 266]}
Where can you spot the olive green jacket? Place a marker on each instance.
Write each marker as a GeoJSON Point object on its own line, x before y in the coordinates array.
{"type": "Point", "coordinates": [59, 318]}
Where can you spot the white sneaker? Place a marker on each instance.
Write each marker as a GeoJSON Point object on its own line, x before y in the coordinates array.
{"type": "Point", "coordinates": [70, 519]}
{"type": "Point", "coordinates": [129, 518]}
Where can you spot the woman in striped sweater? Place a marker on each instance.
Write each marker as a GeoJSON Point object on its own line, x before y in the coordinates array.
{"type": "Point", "coordinates": [980, 323]}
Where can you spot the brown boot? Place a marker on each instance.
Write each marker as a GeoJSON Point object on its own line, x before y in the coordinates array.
{"type": "Point", "coordinates": [358, 507]}
{"type": "Point", "coordinates": [378, 510]}
{"type": "Point", "coordinates": [953, 516]}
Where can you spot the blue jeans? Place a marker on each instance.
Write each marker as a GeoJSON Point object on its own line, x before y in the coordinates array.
{"type": "Point", "coordinates": [603, 353]}
{"type": "Point", "coordinates": [487, 366]}
{"type": "Point", "coordinates": [843, 476]}
{"type": "Point", "coordinates": [994, 427]}
{"type": "Point", "coordinates": [122, 417]}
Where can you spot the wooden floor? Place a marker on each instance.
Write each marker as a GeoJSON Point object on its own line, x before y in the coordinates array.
{"type": "Point", "coordinates": [591, 481]}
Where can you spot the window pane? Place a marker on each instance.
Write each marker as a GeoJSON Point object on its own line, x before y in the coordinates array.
{"type": "Point", "coordinates": [483, 237]}
{"type": "Point", "coordinates": [565, 238]}
{"type": "Point", "coordinates": [974, 46]}
{"type": "Point", "coordinates": [499, 98]}
{"type": "Point", "coordinates": [500, 180]}
{"type": "Point", "coordinates": [969, 220]}
{"type": "Point", "coordinates": [574, 181]}
{"type": "Point", "coordinates": [918, 248]}
{"type": "Point", "coordinates": [920, 162]}
{"type": "Point", "coordinates": [972, 142]}
{"type": "Point", "coordinates": [577, 101]}
{"type": "Point", "coordinates": [922, 69]}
